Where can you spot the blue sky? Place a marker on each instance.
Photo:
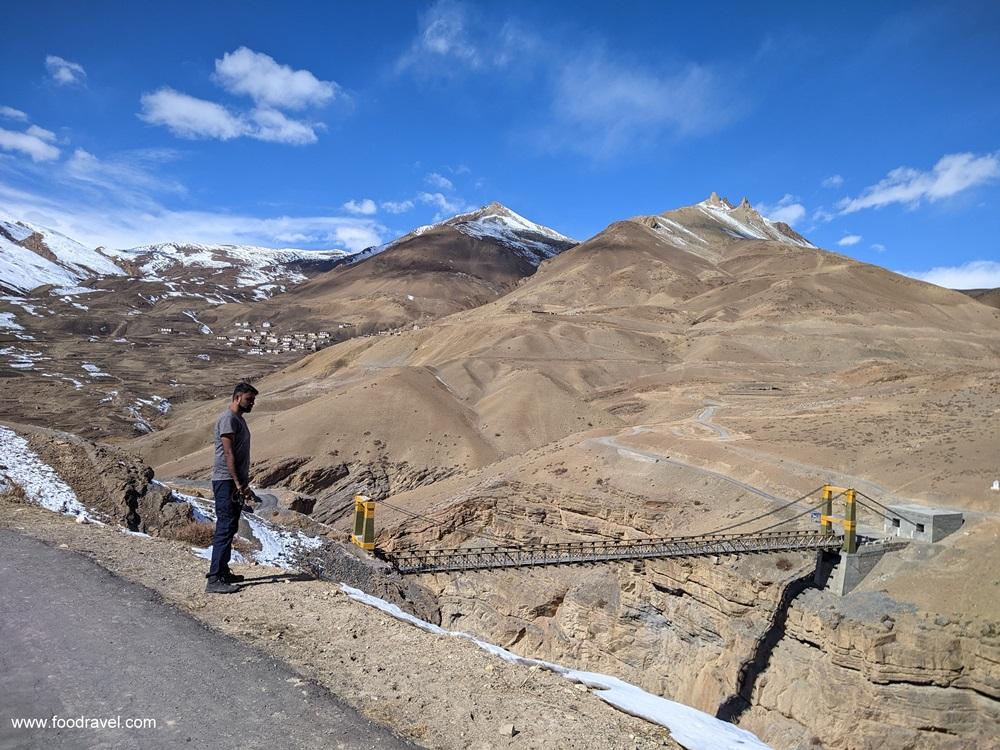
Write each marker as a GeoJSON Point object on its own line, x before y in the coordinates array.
{"type": "Point", "coordinates": [873, 128]}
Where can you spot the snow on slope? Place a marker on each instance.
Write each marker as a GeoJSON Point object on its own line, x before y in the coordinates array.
{"type": "Point", "coordinates": [257, 265]}
{"type": "Point", "coordinates": [69, 262]}
{"type": "Point", "coordinates": [42, 485]}
{"type": "Point", "coordinates": [22, 270]}
{"type": "Point", "coordinates": [744, 222]}
{"type": "Point", "coordinates": [496, 222]}
{"type": "Point", "coordinates": [692, 728]}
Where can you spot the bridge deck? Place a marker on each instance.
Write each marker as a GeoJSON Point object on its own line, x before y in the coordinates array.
{"type": "Point", "coordinates": [567, 553]}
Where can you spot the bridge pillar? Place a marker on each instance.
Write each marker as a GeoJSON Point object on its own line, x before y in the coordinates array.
{"type": "Point", "coordinates": [824, 525]}
{"type": "Point", "coordinates": [364, 523]}
{"type": "Point", "coordinates": [850, 523]}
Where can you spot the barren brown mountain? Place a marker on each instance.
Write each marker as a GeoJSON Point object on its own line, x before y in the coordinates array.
{"type": "Point", "coordinates": [436, 270]}
{"type": "Point", "coordinates": [676, 374]}
{"type": "Point", "coordinates": [989, 297]}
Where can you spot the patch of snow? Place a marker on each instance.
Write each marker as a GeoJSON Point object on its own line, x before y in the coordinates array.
{"type": "Point", "coordinates": [72, 291]}
{"type": "Point", "coordinates": [23, 269]}
{"type": "Point", "coordinates": [279, 546]}
{"type": "Point", "coordinates": [22, 359]}
{"type": "Point", "coordinates": [139, 422]}
{"type": "Point", "coordinates": [24, 305]}
{"type": "Point", "coordinates": [42, 485]}
{"type": "Point", "coordinates": [204, 357]}
{"type": "Point", "coordinates": [94, 371]}
{"type": "Point", "coordinates": [206, 553]}
{"type": "Point", "coordinates": [17, 231]}
{"type": "Point", "coordinates": [749, 230]}
{"type": "Point", "coordinates": [536, 242]}
{"type": "Point", "coordinates": [203, 328]}
{"type": "Point", "coordinates": [9, 323]}
{"type": "Point", "coordinates": [694, 729]}
{"type": "Point", "coordinates": [256, 265]}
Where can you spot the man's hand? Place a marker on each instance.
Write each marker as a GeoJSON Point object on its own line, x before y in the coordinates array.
{"type": "Point", "coordinates": [244, 497]}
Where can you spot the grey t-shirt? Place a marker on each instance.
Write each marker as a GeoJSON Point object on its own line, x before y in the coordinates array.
{"type": "Point", "coordinates": [235, 425]}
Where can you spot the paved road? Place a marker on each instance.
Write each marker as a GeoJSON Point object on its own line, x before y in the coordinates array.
{"type": "Point", "coordinates": [77, 641]}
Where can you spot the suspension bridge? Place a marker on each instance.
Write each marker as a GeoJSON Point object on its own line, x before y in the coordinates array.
{"type": "Point", "coordinates": [768, 539]}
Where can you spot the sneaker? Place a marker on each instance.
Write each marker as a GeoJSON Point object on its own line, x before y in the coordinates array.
{"type": "Point", "coordinates": [231, 577]}
{"type": "Point", "coordinates": [218, 585]}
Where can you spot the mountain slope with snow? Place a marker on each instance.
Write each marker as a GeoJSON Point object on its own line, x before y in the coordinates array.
{"type": "Point", "coordinates": [32, 256]}
{"type": "Point", "coordinates": [253, 266]}
{"type": "Point", "coordinates": [434, 270]}
{"type": "Point", "coordinates": [707, 228]}
{"type": "Point", "coordinates": [495, 223]}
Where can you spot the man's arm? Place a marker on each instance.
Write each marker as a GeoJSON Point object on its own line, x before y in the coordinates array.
{"type": "Point", "coordinates": [227, 451]}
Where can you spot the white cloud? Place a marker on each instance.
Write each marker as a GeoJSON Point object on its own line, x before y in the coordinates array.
{"type": "Point", "coordinates": [833, 181]}
{"type": "Point", "coordinates": [822, 215]}
{"type": "Point", "coordinates": [42, 133]}
{"type": "Point", "coordinates": [602, 106]}
{"type": "Point", "coordinates": [976, 274]}
{"type": "Point", "coordinates": [443, 34]}
{"type": "Point", "coordinates": [189, 117]}
{"type": "Point", "coordinates": [33, 144]}
{"type": "Point", "coordinates": [110, 222]}
{"type": "Point", "coordinates": [878, 247]}
{"type": "Point", "coordinates": [9, 113]}
{"type": "Point", "coordinates": [270, 84]}
{"type": "Point", "coordinates": [599, 103]}
{"type": "Point", "coordinates": [397, 207]}
{"type": "Point", "coordinates": [64, 72]}
{"type": "Point", "coordinates": [439, 181]}
{"type": "Point", "coordinates": [788, 210]}
{"type": "Point", "coordinates": [445, 206]}
{"type": "Point", "coordinates": [271, 125]}
{"type": "Point", "coordinates": [951, 175]}
{"type": "Point", "coordinates": [455, 37]}
{"type": "Point", "coordinates": [365, 207]}
{"type": "Point", "coordinates": [849, 240]}
{"type": "Point", "coordinates": [123, 174]}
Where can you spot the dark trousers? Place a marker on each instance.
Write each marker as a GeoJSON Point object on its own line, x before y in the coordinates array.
{"type": "Point", "coordinates": [227, 523]}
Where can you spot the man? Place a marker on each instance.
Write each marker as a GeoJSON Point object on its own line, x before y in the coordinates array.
{"type": "Point", "coordinates": [230, 485]}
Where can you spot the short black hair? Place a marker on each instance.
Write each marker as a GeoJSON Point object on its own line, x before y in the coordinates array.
{"type": "Point", "coordinates": [242, 388]}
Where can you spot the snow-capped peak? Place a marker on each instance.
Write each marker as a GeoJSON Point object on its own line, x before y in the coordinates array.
{"type": "Point", "coordinates": [744, 222]}
{"type": "Point", "coordinates": [497, 215]}
{"type": "Point", "coordinates": [494, 221]}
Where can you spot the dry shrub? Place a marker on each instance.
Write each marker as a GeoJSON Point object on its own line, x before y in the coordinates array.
{"type": "Point", "coordinates": [784, 563]}
{"type": "Point", "coordinates": [12, 492]}
{"type": "Point", "coordinates": [244, 547]}
{"type": "Point", "coordinates": [200, 533]}
{"type": "Point", "coordinates": [195, 533]}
